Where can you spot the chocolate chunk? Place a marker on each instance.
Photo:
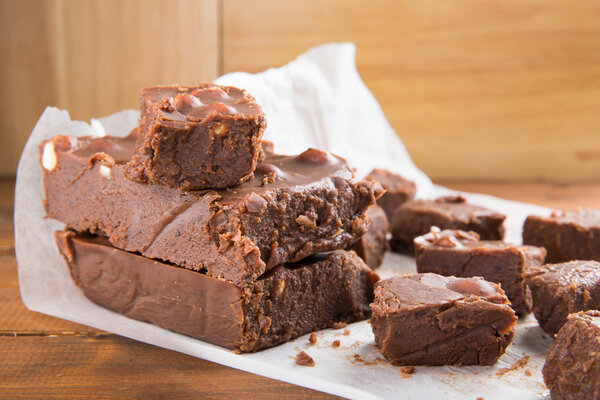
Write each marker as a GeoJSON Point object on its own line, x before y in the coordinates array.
{"type": "Point", "coordinates": [567, 236]}
{"type": "Point", "coordinates": [429, 319]}
{"type": "Point", "coordinates": [234, 234]}
{"type": "Point", "coordinates": [398, 190]}
{"type": "Point", "coordinates": [572, 369]}
{"type": "Point", "coordinates": [304, 360]}
{"type": "Point", "coordinates": [371, 247]}
{"type": "Point", "coordinates": [272, 310]}
{"type": "Point", "coordinates": [201, 137]}
{"type": "Point", "coordinates": [416, 217]}
{"type": "Point", "coordinates": [560, 289]}
{"type": "Point", "coordinates": [462, 254]}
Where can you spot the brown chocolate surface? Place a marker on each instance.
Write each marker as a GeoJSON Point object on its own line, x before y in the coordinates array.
{"type": "Point", "coordinates": [567, 236]}
{"type": "Point", "coordinates": [572, 369]}
{"type": "Point", "coordinates": [287, 302]}
{"type": "Point", "coordinates": [202, 137]}
{"type": "Point", "coordinates": [429, 319]}
{"type": "Point", "coordinates": [371, 247]}
{"type": "Point", "coordinates": [416, 217]}
{"type": "Point", "coordinates": [560, 289]}
{"type": "Point", "coordinates": [398, 190]}
{"type": "Point", "coordinates": [462, 254]}
{"type": "Point", "coordinates": [293, 207]}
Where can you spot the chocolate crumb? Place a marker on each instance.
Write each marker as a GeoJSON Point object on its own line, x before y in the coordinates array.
{"type": "Point", "coordinates": [480, 398]}
{"type": "Point", "coordinates": [237, 351]}
{"type": "Point", "coordinates": [313, 338]}
{"type": "Point", "coordinates": [335, 343]}
{"type": "Point", "coordinates": [527, 372]}
{"type": "Point", "coordinates": [521, 362]}
{"type": "Point", "coordinates": [304, 360]}
{"type": "Point", "coordinates": [346, 332]}
{"type": "Point", "coordinates": [408, 369]}
{"type": "Point", "coordinates": [339, 325]}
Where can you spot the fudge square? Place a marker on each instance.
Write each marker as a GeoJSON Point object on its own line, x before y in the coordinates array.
{"type": "Point", "coordinates": [561, 289]}
{"type": "Point", "coordinates": [429, 319]}
{"type": "Point", "coordinates": [371, 246]}
{"type": "Point", "coordinates": [416, 217]}
{"type": "Point", "coordinates": [202, 137]}
{"type": "Point", "coordinates": [398, 190]}
{"type": "Point", "coordinates": [572, 369]}
{"type": "Point", "coordinates": [287, 302]}
{"type": "Point", "coordinates": [573, 235]}
{"type": "Point", "coordinates": [294, 206]}
{"type": "Point", "coordinates": [460, 253]}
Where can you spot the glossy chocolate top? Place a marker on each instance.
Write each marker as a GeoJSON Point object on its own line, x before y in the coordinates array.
{"type": "Point", "coordinates": [588, 218]}
{"type": "Point", "coordinates": [193, 104]}
{"type": "Point", "coordinates": [586, 273]}
{"type": "Point", "coordinates": [421, 289]}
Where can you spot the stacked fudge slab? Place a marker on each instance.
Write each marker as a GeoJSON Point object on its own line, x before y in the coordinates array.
{"type": "Point", "coordinates": [460, 253]}
{"type": "Point", "coordinates": [435, 320]}
{"type": "Point", "coordinates": [572, 235]}
{"type": "Point", "coordinates": [255, 243]}
{"type": "Point", "coordinates": [415, 218]}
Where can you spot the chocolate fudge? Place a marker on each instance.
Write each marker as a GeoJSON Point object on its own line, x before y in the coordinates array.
{"type": "Point", "coordinates": [567, 236]}
{"type": "Point", "coordinates": [561, 289]}
{"type": "Point", "coordinates": [429, 319]}
{"type": "Point", "coordinates": [398, 190]}
{"type": "Point", "coordinates": [572, 369]}
{"type": "Point", "coordinates": [416, 217]}
{"type": "Point", "coordinates": [371, 247]}
{"type": "Point", "coordinates": [288, 301]}
{"type": "Point", "coordinates": [460, 253]}
{"type": "Point", "coordinates": [202, 137]}
{"type": "Point", "coordinates": [294, 206]}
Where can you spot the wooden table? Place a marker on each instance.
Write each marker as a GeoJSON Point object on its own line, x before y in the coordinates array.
{"type": "Point", "coordinates": [46, 357]}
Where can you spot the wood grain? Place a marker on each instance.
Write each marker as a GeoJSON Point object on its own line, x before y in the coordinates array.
{"type": "Point", "coordinates": [477, 89]}
{"type": "Point", "coordinates": [92, 57]}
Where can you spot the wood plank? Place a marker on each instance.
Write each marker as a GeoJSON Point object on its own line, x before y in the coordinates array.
{"type": "Point", "coordinates": [476, 89]}
{"type": "Point", "coordinates": [108, 366]}
{"type": "Point", "coordinates": [92, 57]}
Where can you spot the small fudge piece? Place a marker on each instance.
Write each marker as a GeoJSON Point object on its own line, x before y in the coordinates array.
{"type": "Point", "coordinates": [460, 253]}
{"type": "Point", "coordinates": [202, 137]}
{"type": "Point", "coordinates": [371, 247]}
{"type": "Point", "coordinates": [567, 236]}
{"type": "Point", "coordinates": [416, 217]}
{"type": "Point", "coordinates": [572, 369]}
{"type": "Point", "coordinates": [293, 207]}
{"type": "Point", "coordinates": [287, 302]}
{"type": "Point", "coordinates": [429, 319]}
{"type": "Point", "coordinates": [561, 289]}
{"type": "Point", "coordinates": [398, 190]}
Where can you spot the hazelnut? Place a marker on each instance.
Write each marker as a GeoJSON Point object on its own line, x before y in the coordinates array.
{"type": "Point", "coordinates": [105, 171]}
{"type": "Point", "coordinates": [49, 159]}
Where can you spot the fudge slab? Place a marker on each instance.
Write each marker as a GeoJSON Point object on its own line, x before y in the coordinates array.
{"type": "Point", "coordinates": [371, 247]}
{"type": "Point", "coordinates": [429, 319]}
{"type": "Point", "coordinates": [573, 235]}
{"type": "Point", "coordinates": [398, 190]}
{"type": "Point", "coordinates": [416, 217]}
{"type": "Point", "coordinates": [293, 207]}
{"type": "Point", "coordinates": [561, 289]}
{"type": "Point", "coordinates": [462, 254]}
{"type": "Point", "coordinates": [202, 137]}
{"type": "Point", "coordinates": [287, 302]}
{"type": "Point", "coordinates": [572, 369]}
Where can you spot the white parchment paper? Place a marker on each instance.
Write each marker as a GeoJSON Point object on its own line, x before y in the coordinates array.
{"type": "Point", "coordinates": [317, 100]}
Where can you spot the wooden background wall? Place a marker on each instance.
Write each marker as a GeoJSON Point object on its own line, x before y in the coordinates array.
{"type": "Point", "coordinates": [477, 89]}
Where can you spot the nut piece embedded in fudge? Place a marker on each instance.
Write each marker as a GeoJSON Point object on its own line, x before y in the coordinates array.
{"type": "Point", "coordinates": [572, 369]}
{"type": "Point", "coordinates": [398, 190]}
{"type": "Point", "coordinates": [336, 286]}
{"type": "Point", "coordinates": [429, 319]}
{"type": "Point", "coordinates": [561, 289]}
{"type": "Point", "coordinates": [202, 137]}
{"type": "Point", "coordinates": [573, 235]}
{"type": "Point", "coordinates": [371, 247]}
{"type": "Point", "coordinates": [294, 206]}
{"type": "Point", "coordinates": [460, 253]}
{"type": "Point", "coordinates": [416, 217]}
